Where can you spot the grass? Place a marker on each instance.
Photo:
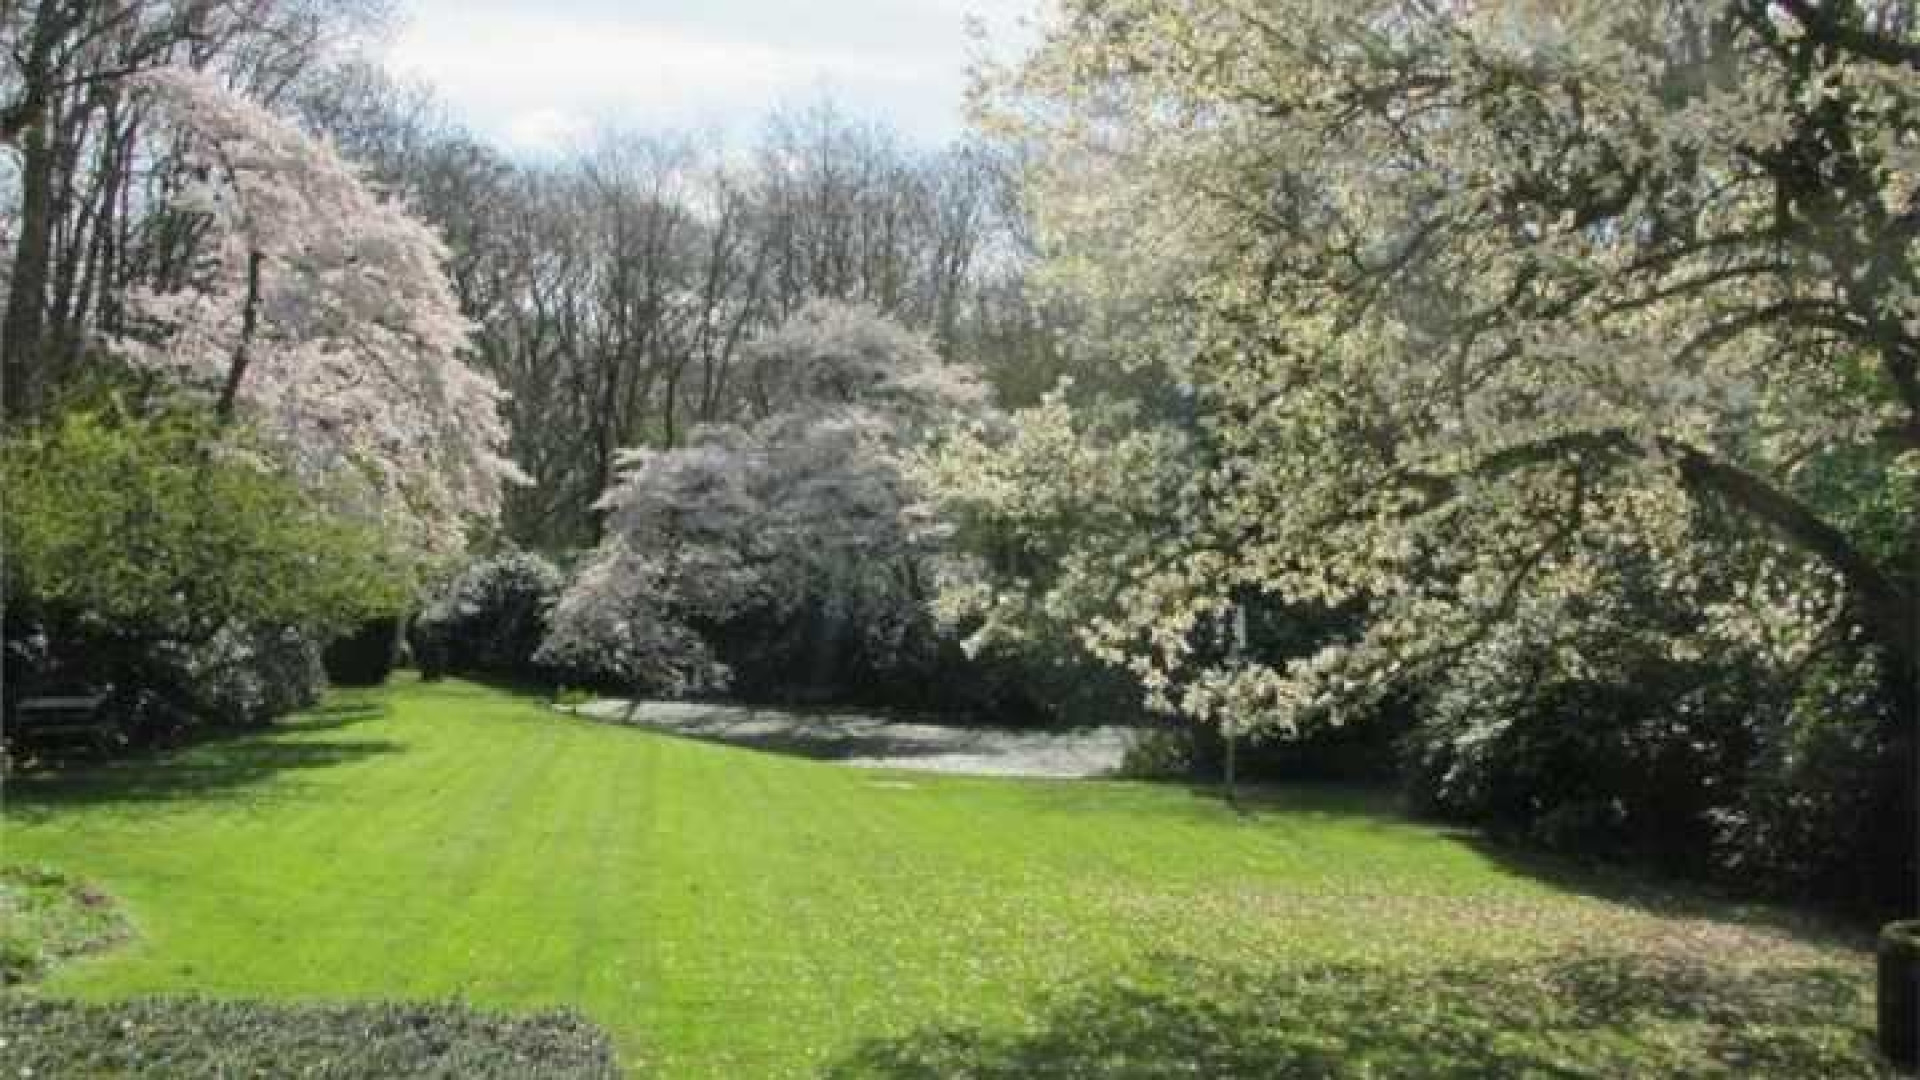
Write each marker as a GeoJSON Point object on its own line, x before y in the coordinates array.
{"type": "Point", "coordinates": [728, 913]}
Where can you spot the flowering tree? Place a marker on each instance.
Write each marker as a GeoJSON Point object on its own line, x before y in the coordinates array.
{"type": "Point", "coordinates": [1048, 513]}
{"type": "Point", "coordinates": [1481, 301]}
{"type": "Point", "coordinates": [804, 508]}
{"type": "Point", "coordinates": [319, 312]}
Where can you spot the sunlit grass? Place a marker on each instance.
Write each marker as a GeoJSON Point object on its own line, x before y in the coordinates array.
{"type": "Point", "coordinates": [728, 913]}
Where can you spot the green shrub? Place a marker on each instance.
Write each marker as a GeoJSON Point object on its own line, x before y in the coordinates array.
{"type": "Point", "coordinates": [490, 619]}
{"type": "Point", "coordinates": [168, 558]}
{"type": "Point", "coordinates": [1165, 752]}
{"type": "Point", "coordinates": [240, 676]}
{"type": "Point", "coordinates": [367, 655]}
{"type": "Point", "coordinates": [1628, 765]}
{"type": "Point", "coordinates": [1787, 784]}
{"type": "Point", "coordinates": [180, 527]}
{"type": "Point", "coordinates": [155, 1038]}
{"type": "Point", "coordinates": [248, 675]}
{"type": "Point", "coordinates": [1826, 797]}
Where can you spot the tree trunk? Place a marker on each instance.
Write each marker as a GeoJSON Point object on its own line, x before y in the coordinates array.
{"type": "Point", "coordinates": [21, 340]}
{"type": "Point", "coordinates": [243, 352]}
{"type": "Point", "coordinates": [25, 125]}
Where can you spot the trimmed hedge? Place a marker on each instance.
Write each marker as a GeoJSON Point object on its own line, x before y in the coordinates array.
{"type": "Point", "coordinates": [367, 655]}
{"type": "Point", "coordinates": [188, 1036]}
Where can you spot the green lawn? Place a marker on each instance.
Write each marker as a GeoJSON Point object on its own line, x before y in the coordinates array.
{"type": "Point", "coordinates": [728, 913]}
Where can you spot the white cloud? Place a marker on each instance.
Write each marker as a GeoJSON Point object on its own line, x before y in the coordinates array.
{"type": "Point", "coordinates": [536, 80]}
{"type": "Point", "coordinates": [544, 130]}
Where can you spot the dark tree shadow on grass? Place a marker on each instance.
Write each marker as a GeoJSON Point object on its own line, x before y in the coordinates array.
{"type": "Point", "coordinates": [215, 764]}
{"type": "Point", "coordinates": [330, 717]}
{"type": "Point", "coordinates": [1646, 889]}
{"type": "Point", "coordinates": [1582, 1014]}
{"type": "Point", "coordinates": [1664, 893]}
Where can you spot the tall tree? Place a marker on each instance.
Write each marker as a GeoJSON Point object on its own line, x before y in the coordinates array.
{"type": "Point", "coordinates": [82, 150]}
{"type": "Point", "coordinates": [802, 511]}
{"type": "Point", "coordinates": [1470, 295]}
{"type": "Point", "coordinates": [321, 312]}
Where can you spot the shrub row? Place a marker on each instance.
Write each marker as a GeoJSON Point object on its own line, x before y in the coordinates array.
{"type": "Point", "coordinates": [175, 1037]}
{"type": "Point", "coordinates": [366, 655]}
{"type": "Point", "coordinates": [241, 675]}
{"type": "Point", "coordinates": [491, 619]}
{"type": "Point", "coordinates": [1799, 790]}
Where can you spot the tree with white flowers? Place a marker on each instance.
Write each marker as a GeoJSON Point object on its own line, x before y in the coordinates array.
{"type": "Point", "coordinates": [318, 312]}
{"type": "Point", "coordinates": [803, 509]}
{"type": "Point", "coordinates": [1479, 302]}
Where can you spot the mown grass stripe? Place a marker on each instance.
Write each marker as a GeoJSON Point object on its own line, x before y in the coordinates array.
{"type": "Point", "coordinates": [731, 913]}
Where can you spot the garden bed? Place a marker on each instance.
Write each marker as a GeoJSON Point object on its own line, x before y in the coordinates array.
{"type": "Point", "coordinates": [189, 1036]}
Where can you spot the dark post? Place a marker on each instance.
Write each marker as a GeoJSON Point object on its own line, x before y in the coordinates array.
{"type": "Point", "coordinates": [1229, 726]}
{"type": "Point", "coordinates": [1900, 994]}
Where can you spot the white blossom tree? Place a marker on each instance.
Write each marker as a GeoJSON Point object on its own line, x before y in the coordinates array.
{"type": "Point", "coordinates": [806, 507]}
{"type": "Point", "coordinates": [1477, 298]}
{"type": "Point", "coordinates": [319, 312]}
{"type": "Point", "coordinates": [1048, 513]}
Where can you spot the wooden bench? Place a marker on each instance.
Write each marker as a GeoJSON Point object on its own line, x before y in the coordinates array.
{"type": "Point", "coordinates": [50, 719]}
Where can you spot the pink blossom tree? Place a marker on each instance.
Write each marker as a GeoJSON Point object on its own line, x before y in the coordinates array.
{"type": "Point", "coordinates": [318, 312]}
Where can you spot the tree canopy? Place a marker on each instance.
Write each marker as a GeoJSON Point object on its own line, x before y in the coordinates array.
{"type": "Point", "coordinates": [322, 313]}
{"type": "Point", "coordinates": [806, 508]}
{"type": "Point", "coordinates": [1476, 302]}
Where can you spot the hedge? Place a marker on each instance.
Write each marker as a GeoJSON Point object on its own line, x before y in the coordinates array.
{"type": "Point", "coordinates": [366, 655]}
{"type": "Point", "coordinates": [190, 1036]}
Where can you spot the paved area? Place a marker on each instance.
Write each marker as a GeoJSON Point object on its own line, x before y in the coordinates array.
{"type": "Point", "coordinates": [872, 741]}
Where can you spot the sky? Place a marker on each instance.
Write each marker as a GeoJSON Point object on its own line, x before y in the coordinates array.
{"type": "Point", "coordinates": [537, 76]}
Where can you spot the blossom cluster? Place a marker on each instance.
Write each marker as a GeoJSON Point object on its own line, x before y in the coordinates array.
{"type": "Point", "coordinates": [319, 312]}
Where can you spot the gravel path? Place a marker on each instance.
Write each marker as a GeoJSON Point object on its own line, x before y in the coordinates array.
{"type": "Point", "coordinates": [875, 742]}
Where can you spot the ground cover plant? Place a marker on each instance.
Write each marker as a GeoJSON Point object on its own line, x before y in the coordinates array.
{"type": "Point", "coordinates": [163, 1038]}
{"type": "Point", "coordinates": [46, 917]}
{"type": "Point", "coordinates": [722, 912]}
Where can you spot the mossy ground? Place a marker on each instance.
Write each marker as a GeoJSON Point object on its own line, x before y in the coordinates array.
{"type": "Point", "coordinates": [47, 916]}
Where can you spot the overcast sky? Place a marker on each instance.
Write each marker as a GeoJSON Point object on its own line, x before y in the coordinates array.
{"type": "Point", "coordinates": [536, 74]}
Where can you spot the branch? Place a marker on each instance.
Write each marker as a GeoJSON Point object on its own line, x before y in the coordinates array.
{"type": "Point", "coordinates": [1889, 609]}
